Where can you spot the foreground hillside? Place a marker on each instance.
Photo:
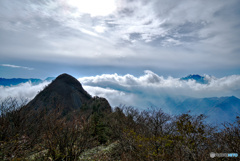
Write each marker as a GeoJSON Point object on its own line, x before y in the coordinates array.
{"type": "Point", "coordinates": [68, 124]}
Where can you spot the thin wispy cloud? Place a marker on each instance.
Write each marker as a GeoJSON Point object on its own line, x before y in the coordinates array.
{"type": "Point", "coordinates": [16, 66]}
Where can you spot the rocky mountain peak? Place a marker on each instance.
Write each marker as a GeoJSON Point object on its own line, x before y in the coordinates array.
{"type": "Point", "coordinates": [65, 92]}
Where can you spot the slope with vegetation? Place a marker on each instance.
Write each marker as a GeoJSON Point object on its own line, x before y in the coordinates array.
{"type": "Point", "coordinates": [48, 129]}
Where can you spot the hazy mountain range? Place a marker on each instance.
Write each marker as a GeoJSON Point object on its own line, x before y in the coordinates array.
{"type": "Point", "coordinates": [196, 77]}
{"type": "Point", "coordinates": [217, 109]}
{"type": "Point", "coordinates": [16, 81]}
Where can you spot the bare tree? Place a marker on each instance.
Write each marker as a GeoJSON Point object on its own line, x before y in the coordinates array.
{"type": "Point", "coordinates": [13, 142]}
{"type": "Point", "coordinates": [66, 139]}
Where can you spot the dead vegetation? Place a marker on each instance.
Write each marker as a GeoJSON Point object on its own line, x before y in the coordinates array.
{"type": "Point", "coordinates": [123, 134]}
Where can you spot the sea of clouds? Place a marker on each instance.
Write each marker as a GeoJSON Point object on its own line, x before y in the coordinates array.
{"type": "Point", "coordinates": [22, 91]}
{"type": "Point", "coordinates": [139, 91]}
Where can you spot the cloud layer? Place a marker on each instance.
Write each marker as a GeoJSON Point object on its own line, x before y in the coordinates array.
{"type": "Point", "coordinates": [150, 87]}
{"type": "Point", "coordinates": [144, 91]}
{"type": "Point", "coordinates": [216, 86]}
{"type": "Point", "coordinates": [24, 90]}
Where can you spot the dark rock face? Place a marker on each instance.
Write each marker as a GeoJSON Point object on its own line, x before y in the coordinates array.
{"type": "Point", "coordinates": [65, 92]}
{"type": "Point", "coordinates": [98, 104]}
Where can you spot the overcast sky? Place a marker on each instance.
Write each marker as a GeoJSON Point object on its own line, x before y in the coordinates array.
{"type": "Point", "coordinates": [85, 38]}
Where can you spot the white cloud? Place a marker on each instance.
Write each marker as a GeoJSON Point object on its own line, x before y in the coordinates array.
{"type": "Point", "coordinates": [114, 97]}
{"type": "Point", "coordinates": [149, 89]}
{"type": "Point", "coordinates": [100, 29]}
{"type": "Point", "coordinates": [151, 84]}
{"type": "Point", "coordinates": [93, 7]}
{"type": "Point", "coordinates": [24, 90]}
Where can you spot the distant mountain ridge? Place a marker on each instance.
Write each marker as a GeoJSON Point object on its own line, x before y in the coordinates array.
{"type": "Point", "coordinates": [196, 77]}
{"type": "Point", "coordinates": [218, 109]}
{"type": "Point", "coordinates": [223, 103]}
{"type": "Point", "coordinates": [35, 81]}
{"type": "Point", "coordinates": [16, 81]}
